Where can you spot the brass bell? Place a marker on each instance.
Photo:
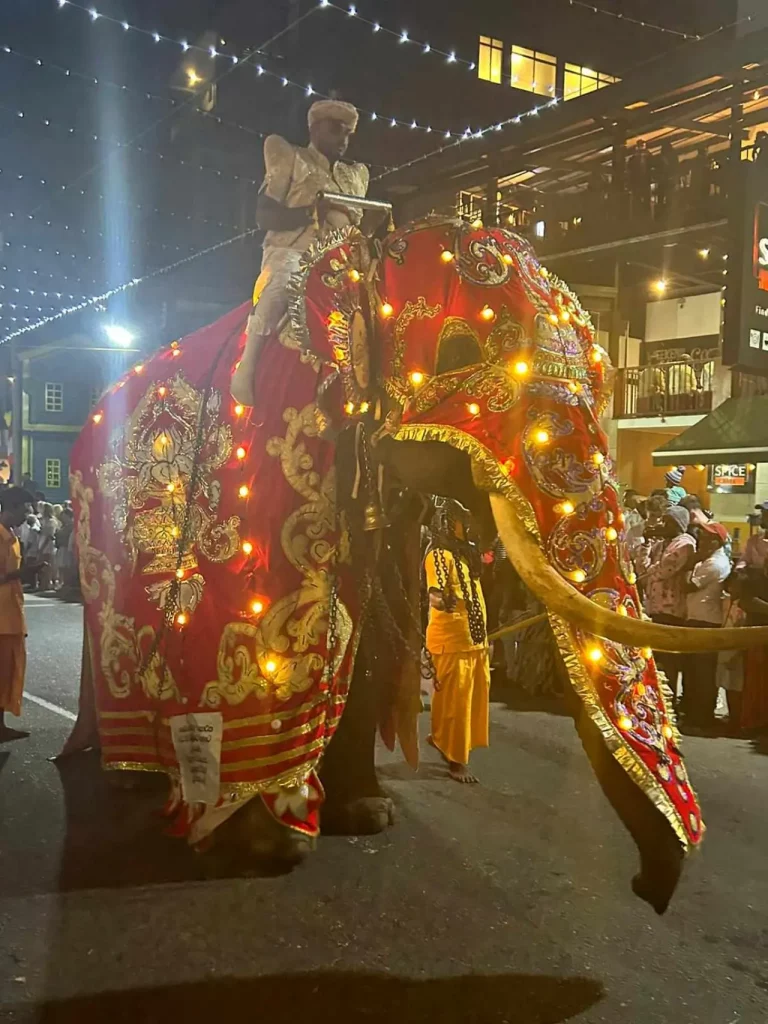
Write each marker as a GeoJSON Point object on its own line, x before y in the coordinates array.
{"type": "Point", "coordinates": [374, 517]}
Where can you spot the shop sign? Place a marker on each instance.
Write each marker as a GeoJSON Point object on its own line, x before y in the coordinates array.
{"type": "Point", "coordinates": [731, 479]}
{"type": "Point", "coordinates": [745, 323]}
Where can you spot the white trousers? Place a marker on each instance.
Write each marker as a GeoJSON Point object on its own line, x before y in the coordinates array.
{"type": "Point", "coordinates": [270, 293]}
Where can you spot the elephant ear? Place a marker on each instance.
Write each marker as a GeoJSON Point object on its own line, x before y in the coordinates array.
{"type": "Point", "coordinates": [330, 311]}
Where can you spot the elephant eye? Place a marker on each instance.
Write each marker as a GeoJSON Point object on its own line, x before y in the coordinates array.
{"type": "Point", "coordinates": [456, 352]}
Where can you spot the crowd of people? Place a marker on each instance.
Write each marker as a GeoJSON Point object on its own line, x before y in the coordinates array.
{"type": "Point", "coordinates": [688, 574]}
{"type": "Point", "coordinates": [47, 540]}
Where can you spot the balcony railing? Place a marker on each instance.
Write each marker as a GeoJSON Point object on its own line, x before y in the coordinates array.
{"type": "Point", "coordinates": [664, 389]}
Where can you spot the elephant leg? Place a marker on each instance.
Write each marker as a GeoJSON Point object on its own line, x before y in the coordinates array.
{"type": "Point", "coordinates": [254, 836]}
{"type": "Point", "coordinates": [661, 854]}
{"type": "Point", "coordinates": [354, 802]}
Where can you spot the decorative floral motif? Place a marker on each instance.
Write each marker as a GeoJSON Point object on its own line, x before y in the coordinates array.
{"type": "Point", "coordinates": [571, 549]}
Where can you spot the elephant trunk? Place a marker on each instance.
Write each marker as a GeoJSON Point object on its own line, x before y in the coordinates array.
{"type": "Point", "coordinates": [560, 598]}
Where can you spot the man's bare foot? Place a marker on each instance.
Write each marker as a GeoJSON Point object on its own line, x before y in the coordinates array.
{"type": "Point", "coordinates": [461, 772]}
{"type": "Point", "coordinates": [7, 734]}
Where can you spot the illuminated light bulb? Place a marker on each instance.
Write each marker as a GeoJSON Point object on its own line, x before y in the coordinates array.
{"type": "Point", "coordinates": [243, 491]}
{"type": "Point", "coordinates": [349, 408]}
{"type": "Point", "coordinates": [174, 531]}
{"type": "Point", "coordinates": [596, 355]}
{"type": "Point", "coordinates": [611, 534]}
{"type": "Point", "coordinates": [598, 458]}
{"type": "Point", "coordinates": [595, 654]}
{"type": "Point", "coordinates": [553, 318]}
{"type": "Point", "coordinates": [631, 579]}
{"type": "Point", "coordinates": [354, 275]}
{"type": "Point", "coordinates": [446, 255]}
{"type": "Point", "coordinates": [176, 351]}
{"type": "Point", "coordinates": [257, 607]}
{"type": "Point", "coordinates": [271, 666]}
{"type": "Point", "coordinates": [365, 406]}
{"type": "Point", "coordinates": [750, 467]}
{"type": "Point", "coordinates": [139, 368]}
{"type": "Point", "coordinates": [179, 574]}
{"type": "Point", "coordinates": [704, 253]}
{"type": "Point", "coordinates": [578, 575]}
{"type": "Point", "coordinates": [241, 452]}
{"type": "Point", "coordinates": [247, 547]}
{"type": "Point", "coordinates": [660, 286]}
{"type": "Point", "coordinates": [573, 387]}
{"type": "Point", "coordinates": [509, 260]}
{"type": "Point", "coordinates": [417, 377]}
{"type": "Point", "coordinates": [473, 408]}
{"type": "Point", "coordinates": [565, 316]}
{"type": "Point", "coordinates": [487, 313]}
{"type": "Point", "coordinates": [162, 391]}
{"type": "Point", "coordinates": [170, 487]}
{"type": "Point", "coordinates": [387, 309]}
{"type": "Point", "coordinates": [622, 610]}
{"type": "Point", "coordinates": [193, 78]}
{"type": "Point", "coordinates": [521, 368]}
{"type": "Point", "coordinates": [625, 722]}
{"type": "Point", "coordinates": [477, 224]}
{"type": "Point", "coordinates": [543, 271]}
{"type": "Point", "coordinates": [622, 518]}
{"type": "Point", "coordinates": [181, 619]}
{"type": "Point", "coordinates": [699, 467]}
{"type": "Point", "coordinates": [97, 417]}
{"type": "Point", "coordinates": [174, 344]}
{"type": "Point", "coordinates": [541, 437]}
{"type": "Point", "coordinates": [667, 731]}
{"type": "Point", "coordinates": [567, 508]}
{"type": "Point", "coordinates": [646, 652]}
{"type": "Point", "coordinates": [640, 690]}
{"type": "Point", "coordinates": [239, 410]}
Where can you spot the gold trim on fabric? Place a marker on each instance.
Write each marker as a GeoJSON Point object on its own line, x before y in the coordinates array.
{"type": "Point", "coordinates": [134, 766]}
{"type": "Point", "coordinates": [493, 477]}
{"type": "Point", "coordinates": [261, 762]}
{"type": "Point", "coordinates": [128, 730]}
{"type": "Point", "coordinates": [127, 714]}
{"type": "Point", "coordinates": [276, 737]}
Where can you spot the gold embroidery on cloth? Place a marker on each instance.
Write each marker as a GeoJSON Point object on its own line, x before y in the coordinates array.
{"type": "Point", "coordinates": [122, 649]}
{"type": "Point", "coordinates": [396, 384]}
{"type": "Point", "coordinates": [275, 655]}
{"type": "Point", "coordinates": [152, 460]}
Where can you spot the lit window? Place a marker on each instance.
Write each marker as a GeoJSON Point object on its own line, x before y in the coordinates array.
{"type": "Point", "coordinates": [490, 59]}
{"type": "Point", "coordinates": [579, 81]}
{"type": "Point", "coordinates": [52, 473]}
{"type": "Point", "coordinates": [54, 397]}
{"type": "Point", "coordinates": [533, 71]}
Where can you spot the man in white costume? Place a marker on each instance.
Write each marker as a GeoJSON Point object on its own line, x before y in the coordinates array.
{"type": "Point", "coordinates": [289, 211]}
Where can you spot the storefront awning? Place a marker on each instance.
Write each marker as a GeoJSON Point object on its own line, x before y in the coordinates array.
{"type": "Point", "coordinates": [737, 431]}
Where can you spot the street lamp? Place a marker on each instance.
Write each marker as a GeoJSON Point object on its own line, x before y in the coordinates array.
{"type": "Point", "coordinates": [118, 335]}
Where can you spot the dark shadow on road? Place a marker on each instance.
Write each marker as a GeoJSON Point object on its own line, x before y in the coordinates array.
{"type": "Point", "coordinates": [344, 997]}
{"type": "Point", "coordinates": [4, 756]}
{"type": "Point", "coordinates": [115, 836]}
{"type": "Point", "coordinates": [516, 699]}
{"type": "Point", "coordinates": [760, 744]}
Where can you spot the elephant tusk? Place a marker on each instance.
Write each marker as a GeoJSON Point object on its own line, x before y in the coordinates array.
{"type": "Point", "coordinates": [516, 627]}
{"type": "Point", "coordinates": [561, 599]}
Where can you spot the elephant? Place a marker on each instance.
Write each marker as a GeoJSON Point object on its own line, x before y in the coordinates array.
{"type": "Point", "coordinates": [251, 575]}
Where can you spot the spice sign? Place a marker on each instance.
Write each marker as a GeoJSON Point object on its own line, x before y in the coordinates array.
{"type": "Point", "coordinates": [730, 479]}
{"type": "Point", "coordinates": [745, 301]}
{"type": "Point", "coordinates": [197, 742]}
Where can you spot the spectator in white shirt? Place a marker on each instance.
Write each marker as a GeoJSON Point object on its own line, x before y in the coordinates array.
{"type": "Point", "coordinates": [705, 608]}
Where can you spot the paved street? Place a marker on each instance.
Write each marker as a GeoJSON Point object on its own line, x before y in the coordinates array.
{"type": "Point", "coordinates": [506, 902]}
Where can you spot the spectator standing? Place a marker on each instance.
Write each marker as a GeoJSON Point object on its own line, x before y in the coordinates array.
{"type": "Point", "coordinates": [664, 572]}
{"type": "Point", "coordinates": [49, 526]}
{"type": "Point", "coordinates": [705, 609]}
{"type": "Point", "coordinates": [756, 548]}
{"type": "Point", "coordinates": [14, 502]}
{"type": "Point", "coordinates": [675, 490]}
{"type": "Point", "coordinates": [666, 175]}
{"type": "Point", "coordinates": [63, 553]}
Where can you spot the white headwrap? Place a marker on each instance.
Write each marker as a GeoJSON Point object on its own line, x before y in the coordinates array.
{"type": "Point", "coordinates": [333, 110]}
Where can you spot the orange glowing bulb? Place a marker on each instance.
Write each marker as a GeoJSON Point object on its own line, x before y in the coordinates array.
{"type": "Point", "coordinates": [521, 368]}
{"type": "Point", "coordinates": [243, 490]}
{"type": "Point", "coordinates": [667, 732]}
{"type": "Point", "coordinates": [573, 387]}
{"type": "Point", "coordinates": [611, 534]}
{"type": "Point", "coordinates": [241, 452]}
{"type": "Point", "coordinates": [567, 508]}
{"type": "Point", "coordinates": [170, 487]}
{"type": "Point", "coordinates": [417, 377]}
{"type": "Point", "coordinates": [387, 309]}
{"type": "Point", "coordinates": [596, 355]}
{"type": "Point", "coordinates": [139, 368]}
{"type": "Point", "coordinates": [98, 417]}
{"type": "Point", "coordinates": [446, 255]}
{"type": "Point", "coordinates": [487, 313]}
{"type": "Point", "coordinates": [162, 391]}
{"type": "Point", "coordinates": [365, 406]}
{"type": "Point", "coordinates": [239, 410]}
{"type": "Point", "coordinates": [181, 619]}
{"type": "Point", "coordinates": [565, 316]}
{"type": "Point", "coordinates": [640, 690]}
{"type": "Point", "coordinates": [598, 458]}
{"type": "Point", "coordinates": [477, 224]}
{"type": "Point", "coordinates": [507, 259]}
{"type": "Point", "coordinates": [354, 275]}
{"type": "Point", "coordinates": [622, 610]}
{"type": "Point", "coordinates": [646, 652]}
{"type": "Point", "coordinates": [179, 574]}
{"type": "Point", "coordinates": [631, 579]}
{"type": "Point", "coordinates": [174, 531]}
{"type": "Point", "coordinates": [595, 654]}
{"type": "Point", "coordinates": [541, 437]}
{"type": "Point", "coordinates": [271, 666]}
{"type": "Point", "coordinates": [543, 271]}
{"type": "Point", "coordinates": [578, 575]}
{"type": "Point", "coordinates": [349, 408]}
{"type": "Point", "coordinates": [177, 352]}
{"type": "Point", "coordinates": [247, 547]}
{"type": "Point", "coordinates": [625, 722]}
{"type": "Point", "coordinates": [553, 318]}
{"type": "Point", "coordinates": [473, 408]}
{"type": "Point", "coordinates": [257, 607]}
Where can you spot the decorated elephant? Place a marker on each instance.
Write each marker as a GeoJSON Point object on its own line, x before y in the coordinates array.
{"type": "Point", "coordinates": [251, 576]}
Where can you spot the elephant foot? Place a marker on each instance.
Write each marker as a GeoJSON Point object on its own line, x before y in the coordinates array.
{"type": "Point", "coordinates": [255, 839]}
{"type": "Point", "coordinates": [363, 816]}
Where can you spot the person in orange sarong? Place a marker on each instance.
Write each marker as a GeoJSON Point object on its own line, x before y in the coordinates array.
{"type": "Point", "coordinates": [457, 643]}
{"type": "Point", "coordinates": [14, 506]}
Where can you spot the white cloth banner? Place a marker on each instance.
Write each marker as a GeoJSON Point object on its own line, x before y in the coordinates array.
{"type": "Point", "coordinates": [197, 742]}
